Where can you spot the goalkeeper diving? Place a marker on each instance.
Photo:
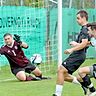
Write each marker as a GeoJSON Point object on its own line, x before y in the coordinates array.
{"type": "Point", "coordinates": [19, 63]}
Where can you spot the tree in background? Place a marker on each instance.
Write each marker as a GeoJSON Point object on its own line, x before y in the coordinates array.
{"type": "Point", "coordinates": [10, 2]}
{"type": "Point", "coordinates": [79, 4]}
{"type": "Point", "coordinates": [89, 4]}
{"type": "Point", "coordinates": [33, 3]}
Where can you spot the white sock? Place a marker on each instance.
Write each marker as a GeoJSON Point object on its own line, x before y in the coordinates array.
{"type": "Point", "coordinates": [91, 85]}
{"type": "Point", "coordinates": [75, 81]}
{"type": "Point", "coordinates": [58, 91]}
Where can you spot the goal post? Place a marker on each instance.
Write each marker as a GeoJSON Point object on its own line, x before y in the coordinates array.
{"type": "Point", "coordinates": [59, 32]}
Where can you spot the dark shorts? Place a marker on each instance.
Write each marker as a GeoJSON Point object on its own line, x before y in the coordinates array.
{"type": "Point", "coordinates": [73, 62]}
{"type": "Point", "coordinates": [28, 69]}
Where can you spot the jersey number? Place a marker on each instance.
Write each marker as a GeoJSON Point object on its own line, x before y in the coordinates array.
{"type": "Point", "coordinates": [14, 52]}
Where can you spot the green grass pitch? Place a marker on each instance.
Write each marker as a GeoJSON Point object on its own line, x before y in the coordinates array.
{"type": "Point", "coordinates": [37, 88]}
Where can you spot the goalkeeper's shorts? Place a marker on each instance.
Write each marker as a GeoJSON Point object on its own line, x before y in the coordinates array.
{"type": "Point", "coordinates": [28, 69]}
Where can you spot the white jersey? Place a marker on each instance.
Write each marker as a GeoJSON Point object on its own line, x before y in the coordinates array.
{"type": "Point", "coordinates": [93, 42]}
{"type": "Point", "coordinates": [93, 67]}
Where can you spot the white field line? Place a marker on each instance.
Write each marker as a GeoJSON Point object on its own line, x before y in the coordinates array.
{"type": "Point", "coordinates": [9, 79]}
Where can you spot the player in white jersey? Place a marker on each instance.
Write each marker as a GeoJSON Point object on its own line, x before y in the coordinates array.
{"type": "Point", "coordinates": [89, 71]}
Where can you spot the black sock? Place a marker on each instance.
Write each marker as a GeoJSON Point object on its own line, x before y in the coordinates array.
{"type": "Point", "coordinates": [83, 84]}
{"type": "Point", "coordinates": [87, 82]}
{"type": "Point", "coordinates": [39, 76]}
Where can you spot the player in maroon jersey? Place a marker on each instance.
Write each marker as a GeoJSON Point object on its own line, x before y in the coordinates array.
{"type": "Point", "coordinates": [19, 64]}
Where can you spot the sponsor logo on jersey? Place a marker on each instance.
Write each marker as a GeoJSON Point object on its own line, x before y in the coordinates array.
{"type": "Point", "coordinates": [64, 63]}
{"type": "Point", "coordinates": [8, 51]}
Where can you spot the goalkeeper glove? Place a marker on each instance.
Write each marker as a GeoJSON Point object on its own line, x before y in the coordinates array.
{"type": "Point", "coordinates": [17, 38]}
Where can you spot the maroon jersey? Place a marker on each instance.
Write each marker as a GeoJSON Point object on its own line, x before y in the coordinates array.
{"type": "Point", "coordinates": [15, 55]}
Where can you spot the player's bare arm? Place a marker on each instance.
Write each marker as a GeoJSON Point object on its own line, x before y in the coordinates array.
{"type": "Point", "coordinates": [80, 46]}
{"type": "Point", "coordinates": [89, 43]}
{"type": "Point", "coordinates": [73, 43]}
{"type": "Point", "coordinates": [24, 45]}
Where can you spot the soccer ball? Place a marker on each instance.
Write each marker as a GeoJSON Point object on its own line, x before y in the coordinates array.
{"type": "Point", "coordinates": [36, 59]}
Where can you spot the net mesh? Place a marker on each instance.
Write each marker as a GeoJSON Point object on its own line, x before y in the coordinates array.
{"type": "Point", "coordinates": [37, 25]}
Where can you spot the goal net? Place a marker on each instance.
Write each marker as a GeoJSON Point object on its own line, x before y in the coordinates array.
{"type": "Point", "coordinates": [36, 22]}
{"type": "Point", "coordinates": [41, 32]}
